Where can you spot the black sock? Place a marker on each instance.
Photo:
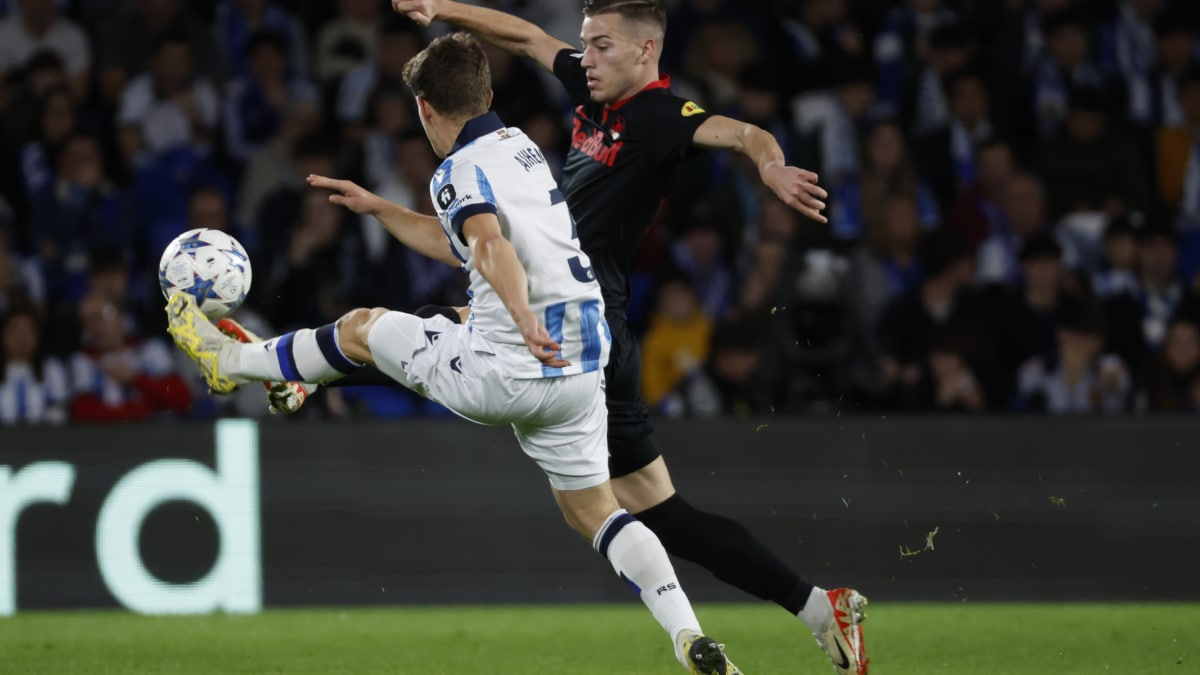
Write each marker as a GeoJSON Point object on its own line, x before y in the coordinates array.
{"type": "Point", "coordinates": [728, 550]}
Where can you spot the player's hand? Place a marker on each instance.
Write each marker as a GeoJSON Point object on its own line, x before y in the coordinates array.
{"type": "Point", "coordinates": [797, 188]}
{"type": "Point", "coordinates": [350, 195]}
{"type": "Point", "coordinates": [421, 11]}
{"type": "Point", "coordinates": [538, 340]}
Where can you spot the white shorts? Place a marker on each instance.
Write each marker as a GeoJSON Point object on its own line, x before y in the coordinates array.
{"type": "Point", "coordinates": [560, 422]}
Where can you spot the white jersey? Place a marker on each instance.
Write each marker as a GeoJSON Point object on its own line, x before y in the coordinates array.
{"type": "Point", "coordinates": [499, 170]}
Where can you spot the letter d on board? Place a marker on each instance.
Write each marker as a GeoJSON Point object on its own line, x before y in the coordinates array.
{"type": "Point", "coordinates": [230, 494]}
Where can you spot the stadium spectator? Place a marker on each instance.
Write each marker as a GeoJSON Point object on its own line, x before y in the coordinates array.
{"type": "Point", "coordinates": [311, 154]}
{"type": "Point", "coordinates": [1176, 47]}
{"type": "Point", "coordinates": [207, 207]}
{"type": "Point", "coordinates": [256, 103]}
{"type": "Point", "coordinates": [949, 155]}
{"type": "Point", "coordinates": [953, 385]}
{"type": "Point", "coordinates": [716, 52]}
{"type": "Point", "coordinates": [675, 346]}
{"type": "Point", "coordinates": [861, 202]}
{"type": "Point", "coordinates": [391, 115]}
{"type": "Point", "coordinates": [949, 51]}
{"type": "Point", "coordinates": [1178, 147]}
{"type": "Point", "coordinates": [699, 258]}
{"type": "Point", "coordinates": [1024, 318]}
{"type": "Point", "coordinates": [882, 268]}
{"type": "Point", "coordinates": [237, 21]}
{"type": "Point", "coordinates": [57, 120]}
{"type": "Point", "coordinates": [1078, 377]}
{"type": "Point", "coordinates": [21, 280]}
{"type": "Point", "coordinates": [398, 42]}
{"type": "Point", "coordinates": [117, 377]}
{"type": "Point", "coordinates": [40, 25]}
{"type": "Point", "coordinates": [1092, 166]}
{"type": "Point", "coordinates": [126, 43]}
{"type": "Point", "coordinates": [33, 385]}
{"type": "Point", "coordinates": [1172, 382]}
{"type": "Point", "coordinates": [1066, 65]}
{"type": "Point", "coordinates": [347, 41]}
{"type": "Point", "coordinates": [169, 106]}
{"type": "Point", "coordinates": [82, 211]}
{"type": "Point", "coordinates": [829, 119]}
{"type": "Point", "coordinates": [977, 212]}
{"type": "Point", "coordinates": [911, 322]}
{"type": "Point", "coordinates": [1118, 270]}
{"type": "Point", "coordinates": [313, 256]}
{"type": "Point", "coordinates": [270, 166]}
{"type": "Point", "coordinates": [902, 44]}
{"type": "Point", "coordinates": [1024, 216]}
{"type": "Point", "coordinates": [818, 31]}
{"type": "Point", "coordinates": [517, 90]}
{"type": "Point", "coordinates": [1127, 47]}
{"type": "Point", "coordinates": [736, 372]}
{"type": "Point", "coordinates": [1139, 319]}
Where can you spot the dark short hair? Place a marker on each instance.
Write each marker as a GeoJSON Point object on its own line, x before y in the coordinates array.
{"type": "Point", "coordinates": [1080, 315]}
{"type": "Point", "coordinates": [647, 11]}
{"type": "Point", "coordinates": [266, 39]}
{"type": "Point", "coordinates": [452, 75]}
{"type": "Point", "coordinates": [1041, 246]}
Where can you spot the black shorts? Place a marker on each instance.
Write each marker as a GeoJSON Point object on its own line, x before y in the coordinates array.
{"type": "Point", "coordinates": [630, 442]}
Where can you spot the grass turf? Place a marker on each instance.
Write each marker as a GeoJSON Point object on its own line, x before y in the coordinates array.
{"type": "Point", "coordinates": [903, 639]}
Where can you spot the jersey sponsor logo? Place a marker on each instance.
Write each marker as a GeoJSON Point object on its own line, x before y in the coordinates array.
{"type": "Point", "coordinates": [445, 196]}
{"type": "Point", "coordinates": [690, 109]}
{"type": "Point", "coordinates": [596, 145]}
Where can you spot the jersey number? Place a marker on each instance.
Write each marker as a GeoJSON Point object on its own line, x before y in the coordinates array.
{"type": "Point", "coordinates": [582, 273]}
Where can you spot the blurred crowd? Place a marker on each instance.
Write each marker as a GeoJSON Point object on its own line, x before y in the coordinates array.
{"type": "Point", "coordinates": [1014, 199]}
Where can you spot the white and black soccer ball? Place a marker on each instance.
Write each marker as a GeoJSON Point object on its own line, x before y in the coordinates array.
{"type": "Point", "coordinates": [210, 265]}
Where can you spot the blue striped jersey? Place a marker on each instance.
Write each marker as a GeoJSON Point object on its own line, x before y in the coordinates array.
{"type": "Point", "coordinates": [499, 170]}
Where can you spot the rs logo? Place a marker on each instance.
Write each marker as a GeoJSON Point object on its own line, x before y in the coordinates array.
{"type": "Point", "coordinates": [663, 589]}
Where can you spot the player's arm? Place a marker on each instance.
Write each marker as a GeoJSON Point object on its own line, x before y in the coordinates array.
{"type": "Point", "coordinates": [419, 232]}
{"type": "Point", "coordinates": [510, 33]}
{"type": "Point", "coordinates": [497, 261]}
{"type": "Point", "coordinates": [795, 186]}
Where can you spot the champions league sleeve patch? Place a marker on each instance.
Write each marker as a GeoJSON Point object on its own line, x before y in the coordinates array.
{"type": "Point", "coordinates": [689, 108]}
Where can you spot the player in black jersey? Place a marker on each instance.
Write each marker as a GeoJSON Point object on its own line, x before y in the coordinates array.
{"type": "Point", "coordinates": [629, 135]}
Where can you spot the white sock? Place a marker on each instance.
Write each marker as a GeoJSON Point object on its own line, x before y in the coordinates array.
{"type": "Point", "coordinates": [816, 610]}
{"type": "Point", "coordinates": [306, 355]}
{"type": "Point", "coordinates": [640, 559]}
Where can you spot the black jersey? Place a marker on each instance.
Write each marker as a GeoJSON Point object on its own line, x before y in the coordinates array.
{"type": "Point", "coordinates": [621, 163]}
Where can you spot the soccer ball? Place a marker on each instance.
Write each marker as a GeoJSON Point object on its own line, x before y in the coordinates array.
{"type": "Point", "coordinates": [210, 265]}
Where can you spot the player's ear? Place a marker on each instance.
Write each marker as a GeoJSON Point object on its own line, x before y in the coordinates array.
{"type": "Point", "coordinates": [424, 109]}
{"type": "Point", "coordinates": [649, 45]}
{"type": "Point", "coordinates": [491, 95]}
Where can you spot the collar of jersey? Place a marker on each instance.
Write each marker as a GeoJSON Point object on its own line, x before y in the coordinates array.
{"type": "Point", "coordinates": [476, 128]}
{"type": "Point", "coordinates": [663, 82]}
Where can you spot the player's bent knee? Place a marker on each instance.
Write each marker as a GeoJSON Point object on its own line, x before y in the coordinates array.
{"type": "Point", "coordinates": [353, 330]}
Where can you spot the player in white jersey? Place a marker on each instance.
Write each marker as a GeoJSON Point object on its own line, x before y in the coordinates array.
{"type": "Point", "coordinates": [531, 353]}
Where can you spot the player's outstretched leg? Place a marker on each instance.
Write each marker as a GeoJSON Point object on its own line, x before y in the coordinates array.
{"type": "Point", "coordinates": [306, 355]}
{"type": "Point", "coordinates": [197, 337]}
{"type": "Point", "coordinates": [835, 618]}
{"type": "Point", "coordinates": [282, 397]}
{"type": "Point", "coordinates": [639, 558]}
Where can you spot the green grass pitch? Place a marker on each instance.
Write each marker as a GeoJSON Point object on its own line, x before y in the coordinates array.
{"type": "Point", "coordinates": [903, 639]}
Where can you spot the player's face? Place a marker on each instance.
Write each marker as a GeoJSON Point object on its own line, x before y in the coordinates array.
{"type": "Point", "coordinates": [612, 57]}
